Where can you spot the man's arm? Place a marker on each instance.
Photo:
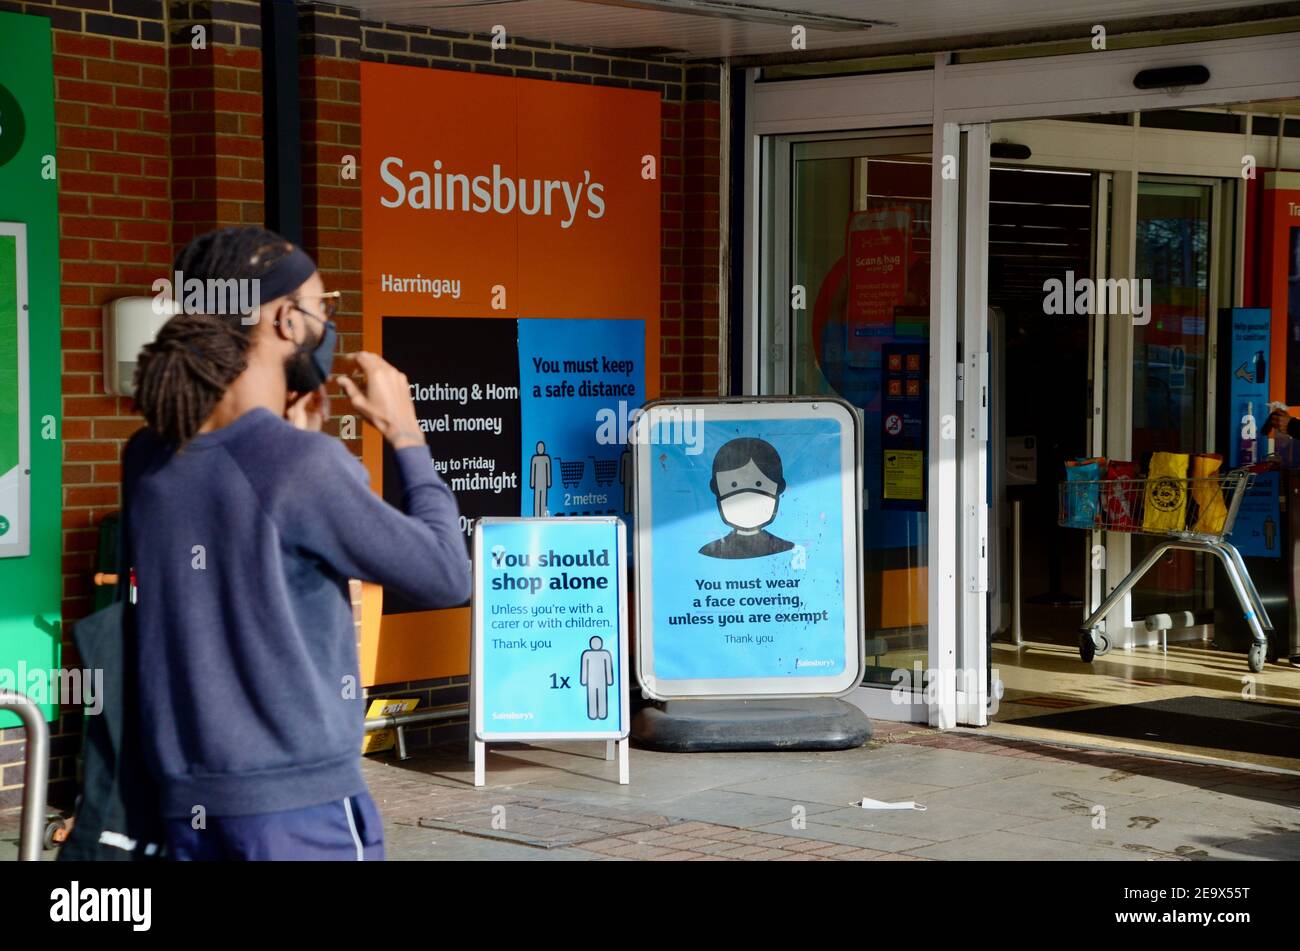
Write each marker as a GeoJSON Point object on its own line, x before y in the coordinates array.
{"type": "Point", "coordinates": [417, 550]}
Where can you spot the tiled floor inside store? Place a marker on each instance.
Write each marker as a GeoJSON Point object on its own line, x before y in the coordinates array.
{"type": "Point", "coordinates": [1044, 678]}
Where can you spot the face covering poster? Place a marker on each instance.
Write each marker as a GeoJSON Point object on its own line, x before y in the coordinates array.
{"type": "Point", "coordinates": [753, 585]}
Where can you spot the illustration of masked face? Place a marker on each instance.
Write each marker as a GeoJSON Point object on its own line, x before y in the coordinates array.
{"type": "Point", "coordinates": [747, 511]}
{"type": "Point", "coordinates": [746, 497]}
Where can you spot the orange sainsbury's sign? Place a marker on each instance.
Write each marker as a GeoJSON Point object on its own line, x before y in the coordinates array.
{"type": "Point", "coordinates": [496, 199]}
{"type": "Point", "coordinates": [508, 197]}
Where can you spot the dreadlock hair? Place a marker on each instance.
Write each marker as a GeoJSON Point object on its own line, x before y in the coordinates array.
{"type": "Point", "coordinates": [184, 372]}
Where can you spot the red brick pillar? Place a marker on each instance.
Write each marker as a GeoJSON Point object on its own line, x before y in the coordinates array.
{"type": "Point", "coordinates": [702, 160]}
{"type": "Point", "coordinates": [216, 108]}
{"type": "Point", "coordinates": [672, 251]}
{"type": "Point", "coordinates": [330, 90]}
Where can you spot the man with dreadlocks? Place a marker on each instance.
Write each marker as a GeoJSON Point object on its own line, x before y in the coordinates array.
{"type": "Point", "coordinates": [241, 532]}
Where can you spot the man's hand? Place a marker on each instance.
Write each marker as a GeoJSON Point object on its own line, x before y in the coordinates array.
{"type": "Point", "coordinates": [309, 411]}
{"type": "Point", "coordinates": [385, 402]}
{"type": "Point", "coordinates": [1277, 422]}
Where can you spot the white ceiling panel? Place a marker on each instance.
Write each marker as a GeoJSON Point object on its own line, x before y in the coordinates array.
{"type": "Point", "coordinates": [730, 30]}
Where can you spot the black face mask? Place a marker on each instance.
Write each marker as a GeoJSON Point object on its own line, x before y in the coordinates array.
{"type": "Point", "coordinates": [309, 367]}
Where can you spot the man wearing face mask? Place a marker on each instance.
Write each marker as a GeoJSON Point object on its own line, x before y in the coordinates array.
{"type": "Point", "coordinates": [240, 532]}
{"type": "Point", "coordinates": [748, 482]}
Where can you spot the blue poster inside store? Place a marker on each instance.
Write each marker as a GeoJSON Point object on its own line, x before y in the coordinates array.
{"type": "Point", "coordinates": [548, 643]}
{"type": "Point", "coordinates": [903, 426]}
{"type": "Point", "coordinates": [748, 561]}
{"type": "Point", "coordinates": [1247, 378]}
{"type": "Point", "coordinates": [1257, 532]}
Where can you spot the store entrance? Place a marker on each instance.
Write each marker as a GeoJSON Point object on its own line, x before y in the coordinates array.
{"type": "Point", "coordinates": [1041, 226]}
{"type": "Point", "coordinates": [1072, 386]}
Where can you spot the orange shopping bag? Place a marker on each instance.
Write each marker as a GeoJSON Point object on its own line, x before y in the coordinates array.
{"type": "Point", "coordinates": [1207, 494]}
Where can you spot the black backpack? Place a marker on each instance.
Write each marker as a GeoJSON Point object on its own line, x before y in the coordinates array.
{"type": "Point", "coordinates": [117, 812]}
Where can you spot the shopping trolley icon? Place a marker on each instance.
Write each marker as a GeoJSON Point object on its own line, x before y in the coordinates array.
{"type": "Point", "coordinates": [606, 470]}
{"type": "Point", "coordinates": [571, 472]}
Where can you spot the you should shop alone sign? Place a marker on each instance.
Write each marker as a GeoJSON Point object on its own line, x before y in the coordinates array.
{"type": "Point", "coordinates": [550, 629]}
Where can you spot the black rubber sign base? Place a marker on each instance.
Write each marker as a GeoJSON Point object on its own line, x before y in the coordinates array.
{"type": "Point", "coordinates": [715, 726]}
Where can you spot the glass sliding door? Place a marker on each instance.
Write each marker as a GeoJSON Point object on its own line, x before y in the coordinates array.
{"type": "Point", "coordinates": [846, 312]}
{"type": "Point", "coordinates": [1171, 365]}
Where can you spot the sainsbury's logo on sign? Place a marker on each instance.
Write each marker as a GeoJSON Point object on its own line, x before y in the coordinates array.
{"type": "Point", "coordinates": [455, 191]}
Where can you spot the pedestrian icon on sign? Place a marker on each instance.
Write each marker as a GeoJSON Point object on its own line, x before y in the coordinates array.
{"type": "Point", "coordinates": [597, 675]}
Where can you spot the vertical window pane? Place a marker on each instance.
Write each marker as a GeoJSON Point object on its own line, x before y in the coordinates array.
{"type": "Point", "coordinates": [859, 249]}
{"type": "Point", "coordinates": [1170, 352]}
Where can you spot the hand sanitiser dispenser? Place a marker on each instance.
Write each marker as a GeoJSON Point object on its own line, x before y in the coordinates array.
{"type": "Point", "coordinates": [129, 324]}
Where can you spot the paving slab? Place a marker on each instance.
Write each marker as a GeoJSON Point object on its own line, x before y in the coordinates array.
{"type": "Point", "coordinates": [738, 809]}
{"type": "Point", "coordinates": [843, 835]}
{"type": "Point", "coordinates": [1235, 814]}
{"type": "Point", "coordinates": [943, 767]}
{"type": "Point", "coordinates": [415, 844]}
{"type": "Point", "coordinates": [1024, 797]}
{"type": "Point", "coordinates": [938, 823]}
{"type": "Point", "coordinates": [1005, 844]}
{"type": "Point", "coordinates": [837, 788]}
{"type": "Point", "coordinates": [1103, 779]}
{"type": "Point", "coordinates": [1134, 829]}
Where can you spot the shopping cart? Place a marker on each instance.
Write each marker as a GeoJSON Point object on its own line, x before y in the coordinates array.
{"type": "Point", "coordinates": [1189, 514]}
{"type": "Point", "coordinates": [571, 472]}
{"type": "Point", "coordinates": [606, 470]}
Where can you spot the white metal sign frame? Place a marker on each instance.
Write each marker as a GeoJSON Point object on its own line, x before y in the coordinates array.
{"type": "Point", "coordinates": [850, 461]}
{"type": "Point", "coordinates": [16, 484]}
{"type": "Point", "coordinates": [479, 736]}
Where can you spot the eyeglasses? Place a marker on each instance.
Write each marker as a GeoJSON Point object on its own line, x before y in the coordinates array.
{"type": "Point", "coordinates": [329, 304]}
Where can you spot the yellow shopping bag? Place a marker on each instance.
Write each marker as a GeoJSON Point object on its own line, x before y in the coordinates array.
{"type": "Point", "coordinates": [1207, 494]}
{"type": "Point", "coordinates": [1166, 495]}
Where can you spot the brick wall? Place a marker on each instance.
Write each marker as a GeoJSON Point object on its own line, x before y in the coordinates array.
{"type": "Point", "coordinates": [158, 141]}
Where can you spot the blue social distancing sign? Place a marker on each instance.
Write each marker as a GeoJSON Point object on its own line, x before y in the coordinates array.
{"type": "Point", "coordinates": [550, 629]}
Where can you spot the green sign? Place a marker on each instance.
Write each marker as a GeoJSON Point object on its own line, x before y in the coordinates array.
{"type": "Point", "coordinates": [11, 125]}
{"type": "Point", "coordinates": [31, 450]}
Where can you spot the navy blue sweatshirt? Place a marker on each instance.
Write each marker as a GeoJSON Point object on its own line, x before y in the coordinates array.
{"type": "Point", "coordinates": [243, 543]}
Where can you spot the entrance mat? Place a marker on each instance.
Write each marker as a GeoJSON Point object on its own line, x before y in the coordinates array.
{"type": "Point", "coordinates": [1266, 729]}
{"type": "Point", "coordinates": [544, 824]}
{"type": "Point", "coordinates": [1055, 703]}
